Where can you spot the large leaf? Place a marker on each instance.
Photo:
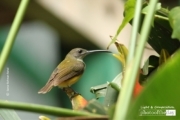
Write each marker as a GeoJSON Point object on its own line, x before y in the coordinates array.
{"type": "Point", "coordinates": [162, 91]}
{"type": "Point", "coordinates": [8, 114]}
{"type": "Point", "coordinates": [174, 19]}
{"type": "Point", "coordinates": [160, 35]}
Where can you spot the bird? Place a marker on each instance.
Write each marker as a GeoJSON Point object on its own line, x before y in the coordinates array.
{"type": "Point", "coordinates": [69, 70]}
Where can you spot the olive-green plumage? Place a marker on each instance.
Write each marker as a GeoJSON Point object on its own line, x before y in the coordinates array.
{"type": "Point", "coordinates": [69, 70]}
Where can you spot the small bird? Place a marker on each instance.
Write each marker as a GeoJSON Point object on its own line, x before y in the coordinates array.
{"type": "Point", "coordinates": [69, 70]}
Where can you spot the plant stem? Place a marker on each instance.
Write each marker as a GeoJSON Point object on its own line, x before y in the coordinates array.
{"type": "Point", "coordinates": [159, 16]}
{"type": "Point", "coordinates": [135, 29]}
{"type": "Point", "coordinates": [12, 34]}
{"type": "Point", "coordinates": [133, 67]}
{"type": "Point", "coordinates": [43, 109]}
{"type": "Point", "coordinates": [162, 17]}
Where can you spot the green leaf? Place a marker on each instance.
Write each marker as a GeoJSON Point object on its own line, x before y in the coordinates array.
{"type": "Point", "coordinates": [99, 90]}
{"type": "Point", "coordinates": [161, 91]}
{"type": "Point", "coordinates": [111, 96]}
{"type": "Point", "coordinates": [160, 35]}
{"type": "Point", "coordinates": [112, 93]}
{"type": "Point", "coordinates": [163, 56]}
{"type": "Point", "coordinates": [146, 9]}
{"type": "Point", "coordinates": [115, 86]}
{"type": "Point", "coordinates": [110, 90]}
{"type": "Point", "coordinates": [122, 49]}
{"type": "Point", "coordinates": [162, 15]}
{"type": "Point", "coordinates": [123, 53]}
{"type": "Point", "coordinates": [129, 14]}
{"type": "Point", "coordinates": [174, 19]}
{"type": "Point", "coordinates": [8, 114]}
{"type": "Point", "coordinates": [95, 107]}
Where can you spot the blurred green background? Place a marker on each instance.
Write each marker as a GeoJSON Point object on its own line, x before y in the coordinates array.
{"type": "Point", "coordinates": [38, 49]}
{"type": "Point", "coordinates": [35, 54]}
{"type": "Point", "coordinates": [50, 29]}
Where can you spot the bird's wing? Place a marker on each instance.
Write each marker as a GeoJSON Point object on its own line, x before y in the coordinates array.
{"type": "Point", "coordinates": [64, 72]}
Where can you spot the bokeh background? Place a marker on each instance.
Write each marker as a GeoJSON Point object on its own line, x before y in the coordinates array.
{"type": "Point", "coordinates": [50, 29]}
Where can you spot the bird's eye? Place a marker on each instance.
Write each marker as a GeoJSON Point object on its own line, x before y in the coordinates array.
{"type": "Point", "coordinates": [80, 51]}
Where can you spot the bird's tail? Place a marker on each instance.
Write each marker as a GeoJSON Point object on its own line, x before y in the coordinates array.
{"type": "Point", "coordinates": [45, 89]}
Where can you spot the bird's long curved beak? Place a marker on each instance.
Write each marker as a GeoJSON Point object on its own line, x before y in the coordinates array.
{"type": "Point", "coordinates": [93, 51]}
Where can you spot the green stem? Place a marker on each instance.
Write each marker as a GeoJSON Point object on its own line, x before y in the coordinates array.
{"type": "Point", "coordinates": [43, 109]}
{"type": "Point", "coordinates": [133, 67]}
{"type": "Point", "coordinates": [159, 16]}
{"type": "Point", "coordinates": [12, 34]}
{"type": "Point", "coordinates": [162, 17]}
{"type": "Point", "coordinates": [135, 29]}
{"type": "Point", "coordinates": [115, 86]}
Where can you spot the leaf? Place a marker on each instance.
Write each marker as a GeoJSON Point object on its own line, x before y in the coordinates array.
{"type": "Point", "coordinates": [161, 91]}
{"type": "Point", "coordinates": [112, 94]}
{"type": "Point", "coordinates": [160, 38]}
{"type": "Point", "coordinates": [110, 91]}
{"type": "Point", "coordinates": [174, 19]}
{"type": "Point", "coordinates": [123, 52]}
{"type": "Point", "coordinates": [8, 114]}
{"type": "Point", "coordinates": [122, 49]}
{"type": "Point", "coordinates": [115, 86]}
{"type": "Point", "coordinates": [163, 56]}
{"type": "Point", "coordinates": [95, 107]}
{"type": "Point", "coordinates": [129, 14]}
{"type": "Point", "coordinates": [120, 58]}
{"type": "Point", "coordinates": [99, 90]}
{"type": "Point", "coordinates": [145, 10]}
{"type": "Point", "coordinates": [118, 80]}
{"type": "Point", "coordinates": [160, 35]}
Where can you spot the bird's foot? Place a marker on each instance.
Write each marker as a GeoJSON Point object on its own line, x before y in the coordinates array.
{"type": "Point", "coordinates": [70, 92]}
